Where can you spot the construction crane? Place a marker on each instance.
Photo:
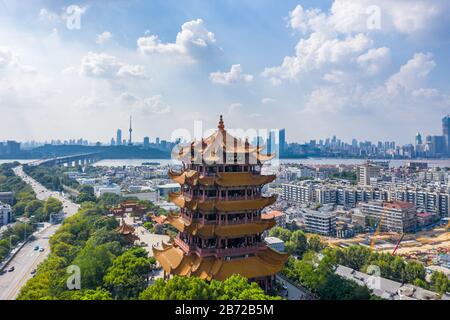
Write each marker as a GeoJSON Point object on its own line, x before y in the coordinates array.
{"type": "Point", "coordinates": [398, 244]}
{"type": "Point", "coordinates": [377, 230]}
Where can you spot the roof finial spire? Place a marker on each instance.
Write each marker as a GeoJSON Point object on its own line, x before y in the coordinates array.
{"type": "Point", "coordinates": [221, 125]}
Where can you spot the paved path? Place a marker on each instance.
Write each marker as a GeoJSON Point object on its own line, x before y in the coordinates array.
{"type": "Point", "coordinates": [150, 239]}
{"type": "Point", "coordinates": [27, 258]}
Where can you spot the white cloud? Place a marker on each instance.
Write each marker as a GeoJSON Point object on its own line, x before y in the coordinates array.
{"type": "Point", "coordinates": [412, 74]}
{"type": "Point", "coordinates": [133, 71]}
{"type": "Point", "coordinates": [145, 106]}
{"type": "Point", "coordinates": [340, 36]}
{"type": "Point", "coordinates": [426, 93]}
{"type": "Point", "coordinates": [5, 57]}
{"type": "Point", "coordinates": [234, 76]}
{"type": "Point", "coordinates": [47, 15]}
{"type": "Point", "coordinates": [403, 16]}
{"type": "Point", "coordinates": [11, 62]}
{"type": "Point", "coordinates": [268, 100]}
{"type": "Point", "coordinates": [193, 41]}
{"type": "Point", "coordinates": [317, 51]}
{"type": "Point", "coordinates": [334, 76]}
{"type": "Point", "coordinates": [101, 65]}
{"type": "Point", "coordinates": [104, 37]}
{"type": "Point", "coordinates": [374, 60]}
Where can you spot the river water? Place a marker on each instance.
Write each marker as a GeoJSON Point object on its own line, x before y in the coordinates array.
{"type": "Point", "coordinates": [309, 161]}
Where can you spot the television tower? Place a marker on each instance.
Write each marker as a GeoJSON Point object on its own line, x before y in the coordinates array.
{"type": "Point", "coordinates": [130, 141]}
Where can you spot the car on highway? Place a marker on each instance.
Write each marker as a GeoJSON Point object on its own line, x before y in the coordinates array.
{"type": "Point", "coordinates": [33, 271]}
{"type": "Point", "coordinates": [11, 269]}
{"type": "Point", "coordinates": [36, 248]}
{"type": "Point", "coordinates": [41, 249]}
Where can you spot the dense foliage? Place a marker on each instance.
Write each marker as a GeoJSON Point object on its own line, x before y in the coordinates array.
{"type": "Point", "coordinates": [296, 242]}
{"type": "Point", "coordinates": [391, 267]}
{"type": "Point", "coordinates": [193, 288]}
{"type": "Point", "coordinates": [53, 178]}
{"type": "Point", "coordinates": [317, 275]}
{"type": "Point", "coordinates": [25, 204]}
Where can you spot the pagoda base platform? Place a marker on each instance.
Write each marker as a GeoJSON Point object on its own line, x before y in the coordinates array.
{"type": "Point", "coordinates": [264, 263]}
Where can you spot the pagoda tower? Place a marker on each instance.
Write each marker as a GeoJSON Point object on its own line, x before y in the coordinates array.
{"type": "Point", "coordinates": [220, 222]}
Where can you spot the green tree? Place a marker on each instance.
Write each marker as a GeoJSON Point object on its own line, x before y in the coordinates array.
{"type": "Point", "coordinates": [33, 207]}
{"type": "Point", "coordinates": [128, 275]}
{"type": "Point", "coordinates": [300, 242]}
{"type": "Point", "coordinates": [440, 282]}
{"type": "Point", "coordinates": [315, 244]}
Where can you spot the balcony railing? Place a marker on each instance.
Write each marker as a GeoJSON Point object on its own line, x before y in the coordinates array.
{"type": "Point", "coordinates": [219, 253]}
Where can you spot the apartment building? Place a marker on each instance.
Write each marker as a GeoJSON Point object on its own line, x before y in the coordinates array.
{"type": "Point", "coordinates": [321, 222]}
{"type": "Point", "coordinates": [394, 216]}
{"type": "Point", "coordinates": [5, 214]}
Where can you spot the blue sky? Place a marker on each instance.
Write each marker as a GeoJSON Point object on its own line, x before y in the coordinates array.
{"type": "Point", "coordinates": [317, 68]}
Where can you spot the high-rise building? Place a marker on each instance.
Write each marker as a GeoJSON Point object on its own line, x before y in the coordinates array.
{"type": "Point", "coordinates": [365, 172]}
{"type": "Point", "coordinates": [146, 142]}
{"type": "Point", "coordinates": [446, 132]}
{"type": "Point", "coordinates": [271, 146]}
{"type": "Point", "coordinates": [220, 222]}
{"type": "Point", "coordinates": [119, 137]}
{"type": "Point", "coordinates": [321, 222]}
{"type": "Point", "coordinates": [282, 138]}
{"type": "Point", "coordinates": [113, 142]}
{"type": "Point", "coordinates": [418, 139]}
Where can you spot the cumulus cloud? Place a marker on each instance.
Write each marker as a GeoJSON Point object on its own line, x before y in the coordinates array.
{"type": "Point", "coordinates": [101, 65]}
{"type": "Point", "coordinates": [318, 51]}
{"type": "Point", "coordinates": [412, 74]}
{"type": "Point", "coordinates": [145, 106]}
{"type": "Point", "coordinates": [342, 35]}
{"type": "Point", "coordinates": [234, 76]}
{"type": "Point", "coordinates": [9, 61]}
{"type": "Point", "coordinates": [403, 16]}
{"type": "Point", "coordinates": [104, 37]}
{"type": "Point", "coordinates": [193, 41]}
{"type": "Point", "coordinates": [403, 89]}
{"type": "Point", "coordinates": [374, 60]}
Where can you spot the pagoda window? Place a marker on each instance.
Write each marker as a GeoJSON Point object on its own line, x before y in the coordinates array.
{"type": "Point", "coordinates": [211, 193]}
{"type": "Point", "coordinates": [211, 217]}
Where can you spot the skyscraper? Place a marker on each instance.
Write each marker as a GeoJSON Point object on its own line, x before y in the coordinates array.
{"type": "Point", "coordinates": [446, 132]}
{"type": "Point", "coordinates": [119, 137]}
{"type": "Point", "coordinates": [130, 140]}
{"type": "Point", "coordinates": [418, 139]}
{"type": "Point", "coordinates": [282, 137]}
{"type": "Point", "coordinates": [146, 143]}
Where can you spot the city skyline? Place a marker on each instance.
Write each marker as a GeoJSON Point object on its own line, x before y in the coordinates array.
{"type": "Point", "coordinates": [319, 69]}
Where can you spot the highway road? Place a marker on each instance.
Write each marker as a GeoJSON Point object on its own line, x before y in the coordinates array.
{"type": "Point", "coordinates": [27, 259]}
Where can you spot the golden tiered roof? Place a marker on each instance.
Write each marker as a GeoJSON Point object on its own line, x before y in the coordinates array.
{"type": "Point", "coordinates": [265, 262]}
{"type": "Point", "coordinates": [222, 230]}
{"type": "Point", "coordinates": [223, 179]}
{"type": "Point", "coordinates": [127, 232]}
{"type": "Point", "coordinates": [125, 229]}
{"type": "Point", "coordinates": [221, 205]}
{"type": "Point", "coordinates": [212, 148]}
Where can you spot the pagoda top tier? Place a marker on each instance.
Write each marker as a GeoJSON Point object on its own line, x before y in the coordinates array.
{"type": "Point", "coordinates": [221, 148]}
